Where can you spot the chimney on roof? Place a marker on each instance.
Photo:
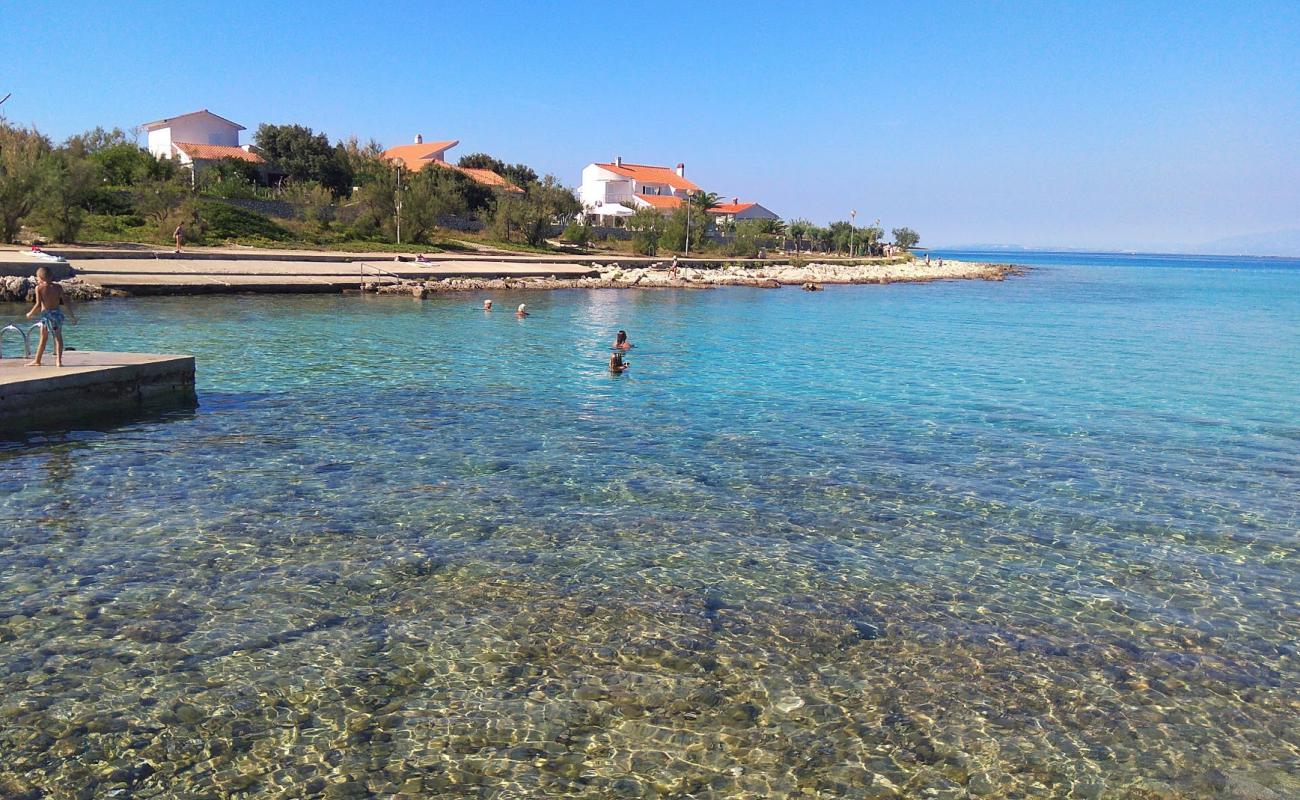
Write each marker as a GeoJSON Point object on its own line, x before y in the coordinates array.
{"type": "Point", "coordinates": [618, 161]}
{"type": "Point", "coordinates": [419, 138]}
{"type": "Point", "coordinates": [681, 170]}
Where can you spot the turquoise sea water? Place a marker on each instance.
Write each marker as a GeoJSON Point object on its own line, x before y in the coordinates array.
{"type": "Point", "coordinates": [1028, 538]}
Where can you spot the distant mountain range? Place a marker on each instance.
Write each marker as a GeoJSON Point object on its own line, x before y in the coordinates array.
{"type": "Point", "coordinates": [1284, 243]}
{"type": "Point", "coordinates": [1276, 243]}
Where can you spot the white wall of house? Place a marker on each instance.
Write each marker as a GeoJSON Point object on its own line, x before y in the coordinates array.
{"type": "Point", "coordinates": [602, 187]}
{"type": "Point", "coordinates": [160, 143]}
{"type": "Point", "coordinates": [197, 128]}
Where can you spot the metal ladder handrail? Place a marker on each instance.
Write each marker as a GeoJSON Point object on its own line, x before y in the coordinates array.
{"type": "Point", "coordinates": [26, 334]}
{"type": "Point", "coordinates": [383, 272]}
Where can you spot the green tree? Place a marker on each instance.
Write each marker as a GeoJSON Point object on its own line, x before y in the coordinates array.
{"type": "Point", "coordinates": [124, 164]}
{"type": "Point", "coordinates": [701, 202]}
{"type": "Point", "coordinates": [906, 238]}
{"type": "Point", "coordinates": [521, 175]}
{"type": "Point", "coordinates": [362, 159]}
{"type": "Point", "coordinates": [799, 230]}
{"type": "Point", "coordinates": [685, 221]}
{"type": "Point", "coordinates": [842, 236]}
{"type": "Point", "coordinates": [430, 194]}
{"type": "Point", "coordinates": [871, 236]}
{"type": "Point", "coordinates": [377, 197]}
{"type": "Point", "coordinates": [90, 142]}
{"type": "Point", "coordinates": [647, 226]}
{"type": "Point", "coordinates": [529, 217]}
{"type": "Point", "coordinates": [751, 235]}
{"type": "Point", "coordinates": [21, 153]}
{"type": "Point", "coordinates": [64, 185]}
{"type": "Point", "coordinates": [819, 237]}
{"type": "Point", "coordinates": [672, 235]}
{"type": "Point", "coordinates": [576, 232]}
{"type": "Point", "coordinates": [157, 199]}
{"type": "Point", "coordinates": [305, 155]}
{"type": "Point", "coordinates": [229, 177]}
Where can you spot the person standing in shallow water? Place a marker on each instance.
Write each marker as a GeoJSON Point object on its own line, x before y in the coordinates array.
{"type": "Point", "coordinates": [522, 311]}
{"type": "Point", "coordinates": [621, 342]}
{"type": "Point", "coordinates": [487, 305]}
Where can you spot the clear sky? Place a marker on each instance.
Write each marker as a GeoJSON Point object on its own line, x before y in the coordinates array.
{"type": "Point", "coordinates": [1102, 124]}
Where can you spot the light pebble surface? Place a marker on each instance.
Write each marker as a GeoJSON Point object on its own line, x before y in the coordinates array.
{"type": "Point", "coordinates": [773, 276]}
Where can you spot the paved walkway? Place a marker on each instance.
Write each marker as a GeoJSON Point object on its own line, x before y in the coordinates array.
{"type": "Point", "coordinates": [180, 275]}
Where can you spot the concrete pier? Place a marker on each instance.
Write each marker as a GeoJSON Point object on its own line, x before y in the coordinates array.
{"type": "Point", "coordinates": [91, 384]}
{"type": "Point", "coordinates": [215, 276]}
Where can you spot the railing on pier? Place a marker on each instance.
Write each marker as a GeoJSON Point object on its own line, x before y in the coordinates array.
{"type": "Point", "coordinates": [26, 334]}
{"type": "Point", "coordinates": [379, 271]}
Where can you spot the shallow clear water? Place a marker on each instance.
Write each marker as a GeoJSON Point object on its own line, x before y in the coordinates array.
{"type": "Point", "coordinates": [1036, 537]}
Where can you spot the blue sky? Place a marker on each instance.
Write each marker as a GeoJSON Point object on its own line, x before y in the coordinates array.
{"type": "Point", "coordinates": [1117, 125]}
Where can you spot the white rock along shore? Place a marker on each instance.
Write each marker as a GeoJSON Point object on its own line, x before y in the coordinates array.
{"type": "Point", "coordinates": [809, 276]}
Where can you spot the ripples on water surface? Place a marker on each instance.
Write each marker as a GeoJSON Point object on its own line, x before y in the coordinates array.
{"type": "Point", "coordinates": [1032, 538]}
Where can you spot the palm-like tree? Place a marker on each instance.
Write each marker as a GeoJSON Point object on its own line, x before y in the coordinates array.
{"type": "Point", "coordinates": [703, 201]}
{"type": "Point", "coordinates": [799, 230]}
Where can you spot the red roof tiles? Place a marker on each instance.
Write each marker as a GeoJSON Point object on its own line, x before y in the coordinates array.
{"type": "Point", "coordinates": [645, 173]}
{"type": "Point", "coordinates": [213, 152]}
{"type": "Point", "coordinates": [663, 202]}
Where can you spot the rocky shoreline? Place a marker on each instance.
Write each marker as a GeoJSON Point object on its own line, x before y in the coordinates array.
{"type": "Point", "coordinates": [17, 289]}
{"type": "Point", "coordinates": [809, 276]}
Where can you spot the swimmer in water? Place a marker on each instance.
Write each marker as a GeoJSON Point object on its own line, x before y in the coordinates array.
{"type": "Point", "coordinates": [487, 305]}
{"type": "Point", "coordinates": [616, 363]}
{"type": "Point", "coordinates": [621, 342]}
{"type": "Point", "coordinates": [522, 311]}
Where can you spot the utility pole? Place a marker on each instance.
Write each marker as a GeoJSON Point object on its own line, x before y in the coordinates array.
{"type": "Point", "coordinates": [688, 223]}
{"type": "Point", "coordinates": [853, 215]}
{"type": "Point", "coordinates": [397, 202]}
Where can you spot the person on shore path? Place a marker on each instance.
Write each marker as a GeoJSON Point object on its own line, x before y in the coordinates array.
{"type": "Point", "coordinates": [616, 363]}
{"type": "Point", "coordinates": [179, 235]}
{"type": "Point", "coordinates": [487, 305]}
{"type": "Point", "coordinates": [522, 311]}
{"type": "Point", "coordinates": [672, 270]}
{"type": "Point", "coordinates": [50, 302]}
{"type": "Point", "coordinates": [621, 342]}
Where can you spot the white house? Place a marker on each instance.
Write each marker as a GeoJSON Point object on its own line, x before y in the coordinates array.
{"type": "Point", "coordinates": [198, 137]}
{"type": "Point", "coordinates": [736, 211]}
{"type": "Point", "coordinates": [616, 182]}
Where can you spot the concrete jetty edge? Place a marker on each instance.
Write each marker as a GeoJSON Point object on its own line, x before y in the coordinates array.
{"type": "Point", "coordinates": [92, 384]}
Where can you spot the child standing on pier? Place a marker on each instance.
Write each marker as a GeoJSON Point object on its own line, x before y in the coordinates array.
{"type": "Point", "coordinates": [50, 302]}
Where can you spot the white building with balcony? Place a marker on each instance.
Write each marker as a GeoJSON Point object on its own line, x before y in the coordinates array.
{"type": "Point", "coordinates": [607, 187]}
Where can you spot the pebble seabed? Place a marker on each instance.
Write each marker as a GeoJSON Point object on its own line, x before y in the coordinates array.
{"type": "Point", "coordinates": [443, 680]}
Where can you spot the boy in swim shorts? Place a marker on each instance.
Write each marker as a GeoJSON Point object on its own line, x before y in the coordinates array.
{"type": "Point", "coordinates": [50, 302]}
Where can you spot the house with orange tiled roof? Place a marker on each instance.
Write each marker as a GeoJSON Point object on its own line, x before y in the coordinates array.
{"type": "Point", "coordinates": [736, 211]}
{"type": "Point", "coordinates": [198, 138]}
{"type": "Point", "coordinates": [619, 183]}
{"type": "Point", "coordinates": [420, 154]}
